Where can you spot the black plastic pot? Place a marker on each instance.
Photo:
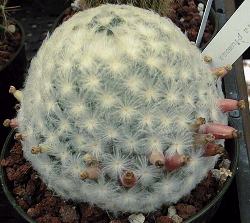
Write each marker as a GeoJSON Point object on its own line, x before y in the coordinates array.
{"type": "Point", "coordinates": [11, 73]}
{"type": "Point", "coordinates": [202, 216]}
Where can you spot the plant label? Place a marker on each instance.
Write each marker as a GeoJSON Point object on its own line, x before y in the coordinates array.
{"type": "Point", "coordinates": [232, 40]}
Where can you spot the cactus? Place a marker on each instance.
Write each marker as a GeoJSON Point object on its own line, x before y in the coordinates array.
{"type": "Point", "coordinates": [112, 107]}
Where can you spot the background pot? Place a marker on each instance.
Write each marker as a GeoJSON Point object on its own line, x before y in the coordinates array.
{"type": "Point", "coordinates": [12, 73]}
{"type": "Point", "coordinates": [53, 7]}
{"type": "Point", "coordinates": [204, 215]}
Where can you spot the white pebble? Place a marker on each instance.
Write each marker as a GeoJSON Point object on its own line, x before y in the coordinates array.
{"type": "Point", "coordinates": [171, 211]}
{"type": "Point", "coordinates": [225, 173]}
{"type": "Point", "coordinates": [136, 218]}
{"type": "Point", "coordinates": [11, 28]}
{"type": "Point", "coordinates": [201, 13]}
{"type": "Point", "coordinates": [177, 219]}
{"type": "Point", "coordinates": [222, 174]}
{"type": "Point", "coordinates": [182, 19]}
{"type": "Point", "coordinates": [200, 7]}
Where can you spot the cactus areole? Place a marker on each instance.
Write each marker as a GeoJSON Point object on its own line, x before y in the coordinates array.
{"type": "Point", "coordinates": [121, 86]}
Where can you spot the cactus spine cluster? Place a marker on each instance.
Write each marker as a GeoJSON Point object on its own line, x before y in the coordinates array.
{"type": "Point", "coordinates": [110, 110]}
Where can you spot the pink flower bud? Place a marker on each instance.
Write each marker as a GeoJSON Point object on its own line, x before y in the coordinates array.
{"type": "Point", "coordinates": [227, 105]}
{"type": "Point", "coordinates": [10, 123]}
{"type": "Point", "coordinates": [212, 149]}
{"type": "Point", "coordinates": [219, 131]}
{"type": "Point", "coordinates": [175, 161]}
{"type": "Point", "coordinates": [13, 123]}
{"type": "Point", "coordinates": [128, 179]}
{"type": "Point", "coordinates": [157, 158]}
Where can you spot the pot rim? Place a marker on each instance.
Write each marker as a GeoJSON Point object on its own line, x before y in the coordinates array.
{"type": "Point", "coordinates": [12, 200]}
{"type": "Point", "coordinates": [20, 46]}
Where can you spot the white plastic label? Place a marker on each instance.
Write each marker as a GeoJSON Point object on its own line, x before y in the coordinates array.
{"type": "Point", "coordinates": [232, 40]}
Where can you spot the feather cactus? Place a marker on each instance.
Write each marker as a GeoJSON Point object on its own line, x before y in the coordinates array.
{"type": "Point", "coordinates": [112, 107]}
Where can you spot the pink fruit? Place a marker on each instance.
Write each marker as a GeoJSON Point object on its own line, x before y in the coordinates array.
{"type": "Point", "coordinates": [10, 123]}
{"type": "Point", "coordinates": [227, 105]}
{"type": "Point", "coordinates": [175, 161]}
{"type": "Point", "coordinates": [219, 131]}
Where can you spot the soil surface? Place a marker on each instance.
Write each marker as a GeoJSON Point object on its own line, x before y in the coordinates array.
{"type": "Point", "coordinates": [44, 206]}
{"type": "Point", "coordinates": [9, 44]}
{"type": "Point", "coordinates": [186, 16]}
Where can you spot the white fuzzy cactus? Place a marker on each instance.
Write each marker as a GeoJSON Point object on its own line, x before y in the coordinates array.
{"type": "Point", "coordinates": [109, 88]}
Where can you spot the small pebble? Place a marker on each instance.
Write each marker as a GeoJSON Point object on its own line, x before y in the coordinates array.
{"type": "Point", "coordinates": [222, 174]}
{"type": "Point", "coordinates": [11, 28]}
{"type": "Point", "coordinates": [136, 218]}
{"type": "Point", "coordinates": [200, 7]}
{"type": "Point", "coordinates": [185, 210]}
{"type": "Point", "coordinates": [201, 13]}
{"type": "Point", "coordinates": [182, 19]}
{"type": "Point", "coordinates": [171, 211]}
{"type": "Point", "coordinates": [68, 214]}
{"type": "Point", "coordinates": [164, 219]}
{"type": "Point", "coordinates": [177, 219]}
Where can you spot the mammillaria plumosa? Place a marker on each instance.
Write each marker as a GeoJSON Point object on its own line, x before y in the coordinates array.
{"type": "Point", "coordinates": [118, 111]}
